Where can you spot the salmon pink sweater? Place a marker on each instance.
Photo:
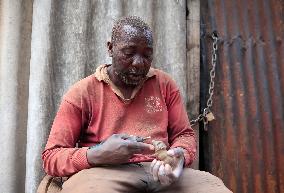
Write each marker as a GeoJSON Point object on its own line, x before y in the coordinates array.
{"type": "Point", "coordinates": [93, 109]}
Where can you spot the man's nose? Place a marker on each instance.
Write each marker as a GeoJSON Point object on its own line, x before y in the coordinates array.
{"type": "Point", "coordinates": [138, 61]}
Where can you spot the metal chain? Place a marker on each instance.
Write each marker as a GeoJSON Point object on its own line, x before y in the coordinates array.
{"type": "Point", "coordinates": [202, 117]}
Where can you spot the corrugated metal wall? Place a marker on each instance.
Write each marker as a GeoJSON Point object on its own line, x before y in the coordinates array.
{"type": "Point", "coordinates": [47, 45]}
{"type": "Point", "coordinates": [245, 145]}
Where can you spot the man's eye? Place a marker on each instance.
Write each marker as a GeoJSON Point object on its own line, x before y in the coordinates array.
{"type": "Point", "coordinates": [129, 53]}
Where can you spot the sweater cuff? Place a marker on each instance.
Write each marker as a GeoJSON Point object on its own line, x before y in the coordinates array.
{"type": "Point", "coordinates": [80, 159]}
{"type": "Point", "coordinates": [189, 157]}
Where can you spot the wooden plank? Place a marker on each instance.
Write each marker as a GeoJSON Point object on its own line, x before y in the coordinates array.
{"type": "Point", "coordinates": [193, 65]}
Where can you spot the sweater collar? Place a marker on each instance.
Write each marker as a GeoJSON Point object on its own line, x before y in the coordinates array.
{"type": "Point", "coordinates": [102, 75]}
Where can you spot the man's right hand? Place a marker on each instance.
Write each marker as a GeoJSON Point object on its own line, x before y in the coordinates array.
{"type": "Point", "coordinates": [117, 149]}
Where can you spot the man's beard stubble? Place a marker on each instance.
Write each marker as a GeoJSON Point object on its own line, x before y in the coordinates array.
{"type": "Point", "coordinates": [124, 77]}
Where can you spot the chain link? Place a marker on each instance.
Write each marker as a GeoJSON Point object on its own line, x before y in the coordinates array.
{"type": "Point", "coordinates": [212, 72]}
{"type": "Point", "coordinates": [202, 117]}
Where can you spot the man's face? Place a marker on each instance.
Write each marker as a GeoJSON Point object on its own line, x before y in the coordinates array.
{"type": "Point", "coordinates": [132, 55]}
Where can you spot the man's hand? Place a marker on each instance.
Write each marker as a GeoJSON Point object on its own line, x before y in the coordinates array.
{"type": "Point", "coordinates": [165, 173]}
{"type": "Point", "coordinates": [117, 149]}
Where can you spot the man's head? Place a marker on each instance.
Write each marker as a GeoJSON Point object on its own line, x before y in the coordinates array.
{"type": "Point", "coordinates": [131, 49]}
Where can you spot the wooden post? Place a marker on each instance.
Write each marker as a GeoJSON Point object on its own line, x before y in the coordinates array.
{"type": "Point", "coordinates": [193, 65]}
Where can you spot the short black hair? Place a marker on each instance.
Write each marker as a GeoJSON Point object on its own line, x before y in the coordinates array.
{"type": "Point", "coordinates": [133, 21]}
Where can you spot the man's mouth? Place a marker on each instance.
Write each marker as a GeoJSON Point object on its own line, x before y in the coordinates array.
{"type": "Point", "coordinates": [136, 76]}
{"type": "Point", "coordinates": [132, 78]}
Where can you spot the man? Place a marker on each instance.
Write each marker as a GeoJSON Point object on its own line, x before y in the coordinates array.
{"type": "Point", "coordinates": [93, 135]}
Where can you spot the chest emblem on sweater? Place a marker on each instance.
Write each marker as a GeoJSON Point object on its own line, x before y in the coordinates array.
{"type": "Point", "coordinates": [153, 104]}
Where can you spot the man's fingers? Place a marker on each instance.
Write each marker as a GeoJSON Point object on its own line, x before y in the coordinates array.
{"type": "Point", "coordinates": [177, 172]}
{"type": "Point", "coordinates": [170, 173]}
{"type": "Point", "coordinates": [147, 148]}
{"type": "Point", "coordinates": [168, 169]}
{"type": "Point", "coordinates": [122, 136]}
{"type": "Point", "coordinates": [140, 147]}
{"type": "Point", "coordinates": [152, 165]}
{"type": "Point", "coordinates": [176, 152]}
{"type": "Point", "coordinates": [171, 152]}
{"type": "Point", "coordinates": [163, 178]}
{"type": "Point", "coordinates": [133, 146]}
{"type": "Point", "coordinates": [155, 170]}
{"type": "Point", "coordinates": [162, 171]}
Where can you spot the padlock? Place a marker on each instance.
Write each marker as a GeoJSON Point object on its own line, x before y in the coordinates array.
{"type": "Point", "coordinates": [209, 116]}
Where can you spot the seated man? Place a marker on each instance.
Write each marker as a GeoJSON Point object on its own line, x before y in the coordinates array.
{"type": "Point", "coordinates": [94, 137]}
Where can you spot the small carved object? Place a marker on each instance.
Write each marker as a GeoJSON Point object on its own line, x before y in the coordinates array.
{"type": "Point", "coordinates": [161, 153]}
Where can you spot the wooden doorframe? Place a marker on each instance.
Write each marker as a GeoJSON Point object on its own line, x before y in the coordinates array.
{"type": "Point", "coordinates": [193, 65]}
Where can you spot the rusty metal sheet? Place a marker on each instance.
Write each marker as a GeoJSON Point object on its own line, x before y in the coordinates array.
{"type": "Point", "coordinates": [245, 145]}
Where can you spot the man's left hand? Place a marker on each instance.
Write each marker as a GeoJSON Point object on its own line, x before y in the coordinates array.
{"type": "Point", "coordinates": [165, 173]}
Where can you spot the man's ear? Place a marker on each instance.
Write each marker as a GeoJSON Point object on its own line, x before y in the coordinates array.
{"type": "Point", "coordinates": [109, 48]}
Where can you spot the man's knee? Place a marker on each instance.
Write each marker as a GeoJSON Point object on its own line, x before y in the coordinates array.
{"type": "Point", "coordinates": [203, 182]}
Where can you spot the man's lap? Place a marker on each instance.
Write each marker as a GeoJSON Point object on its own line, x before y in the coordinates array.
{"type": "Point", "coordinates": [109, 179]}
{"type": "Point", "coordinates": [136, 178]}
